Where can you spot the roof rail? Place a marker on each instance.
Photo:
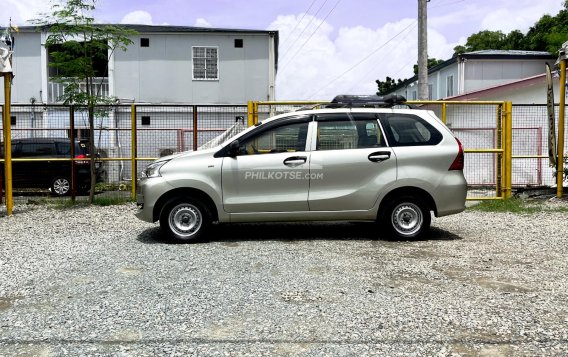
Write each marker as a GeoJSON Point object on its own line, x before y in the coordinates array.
{"type": "Point", "coordinates": [366, 101]}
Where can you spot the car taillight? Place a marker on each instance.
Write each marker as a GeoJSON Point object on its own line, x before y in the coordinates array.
{"type": "Point", "coordinates": [459, 160]}
{"type": "Point", "coordinates": [81, 162]}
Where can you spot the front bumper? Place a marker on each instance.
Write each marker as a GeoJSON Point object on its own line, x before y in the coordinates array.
{"type": "Point", "coordinates": [148, 192]}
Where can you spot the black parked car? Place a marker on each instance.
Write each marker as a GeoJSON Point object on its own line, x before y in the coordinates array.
{"type": "Point", "coordinates": [52, 174]}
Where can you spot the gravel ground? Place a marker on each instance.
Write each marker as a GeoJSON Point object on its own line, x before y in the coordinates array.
{"type": "Point", "coordinates": [95, 281]}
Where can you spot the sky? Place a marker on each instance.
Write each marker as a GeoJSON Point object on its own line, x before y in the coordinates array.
{"type": "Point", "coordinates": [327, 47]}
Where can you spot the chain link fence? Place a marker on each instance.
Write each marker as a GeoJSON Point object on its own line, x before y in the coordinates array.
{"type": "Point", "coordinates": [160, 130]}
{"type": "Point", "coordinates": [165, 129]}
{"type": "Point", "coordinates": [531, 166]}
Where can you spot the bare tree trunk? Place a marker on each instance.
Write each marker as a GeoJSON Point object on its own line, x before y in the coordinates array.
{"type": "Point", "coordinates": [91, 108]}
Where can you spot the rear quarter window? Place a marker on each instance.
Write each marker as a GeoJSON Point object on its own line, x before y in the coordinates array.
{"type": "Point", "coordinates": [34, 149]}
{"type": "Point", "coordinates": [409, 130]}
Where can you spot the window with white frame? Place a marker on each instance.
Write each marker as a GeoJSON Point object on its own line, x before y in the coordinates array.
{"type": "Point", "coordinates": [205, 63]}
{"type": "Point", "coordinates": [430, 91]}
{"type": "Point", "coordinates": [449, 86]}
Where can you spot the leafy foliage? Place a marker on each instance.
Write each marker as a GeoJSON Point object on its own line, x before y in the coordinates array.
{"type": "Point", "coordinates": [547, 34]}
{"type": "Point", "coordinates": [389, 83]}
{"type": "Point", "coordinates": [78, 46]}
{"type": "Point", "coordinates": [79, 51]}
{"type": "Point", "coordinates": [431, 63]}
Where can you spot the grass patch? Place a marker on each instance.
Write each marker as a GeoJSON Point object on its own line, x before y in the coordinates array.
{"type": "Point", "coordinates": [83, 201]}
{"type": "Point", "coordinates": [110, 201]}
{"type": "Point", "coordinates": [515, 205]}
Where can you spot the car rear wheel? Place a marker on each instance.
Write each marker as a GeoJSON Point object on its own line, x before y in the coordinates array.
{"type": "Point", "coordinates": [60, 186]}
{"type": "Point", "coordinates": [406, 218]}
{"type": "Point", "coordinates": [185, 220]}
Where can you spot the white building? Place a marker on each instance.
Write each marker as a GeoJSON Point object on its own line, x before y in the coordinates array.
{"type": "Point", "coordinates": [477, 70]}
{"type": "Point", "coordinates": [165, 64]}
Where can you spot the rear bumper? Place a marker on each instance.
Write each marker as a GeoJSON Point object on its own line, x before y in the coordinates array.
{"type": "Point", "coordinates": [451, 194]}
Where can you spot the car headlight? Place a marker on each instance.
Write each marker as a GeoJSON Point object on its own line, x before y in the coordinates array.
{"type": "Point", "coordinates": [153, 170]}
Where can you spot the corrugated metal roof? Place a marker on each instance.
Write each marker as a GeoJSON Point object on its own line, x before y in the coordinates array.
{"type": "Point", "coordinates": [508, 53]}
{"type": "Point", "coordinates": [161, 28]}
{"type": "Point", "coordinates": [166, 29]}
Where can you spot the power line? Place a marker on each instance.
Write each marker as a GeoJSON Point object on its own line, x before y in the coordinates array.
{"type": "Point", "coordinates": [446, 4]}
{"type": "Point", "coordinates": [313, 33]}
{"type": "Point", "coordinates": [303, 30]}
{"type": "Point", "coordinates": [364, 59]}
{"type": "Point", "coordinates": [374, 67]}
{"type": "Point", "coordinates": [299, 22]}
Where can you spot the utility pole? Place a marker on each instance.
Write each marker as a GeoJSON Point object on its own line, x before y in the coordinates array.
{"type": "Point", "coordinates": [422, 51]}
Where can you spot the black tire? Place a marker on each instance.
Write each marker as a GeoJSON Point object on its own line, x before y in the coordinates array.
{"type": "Point", "coordinates": [60, 186]}
{"type": "Point", "coordinates": [185, 220]}
{"type": "Point", "coordinates": [406, 218]}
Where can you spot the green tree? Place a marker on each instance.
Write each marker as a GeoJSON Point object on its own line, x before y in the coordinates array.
{"type": "Point", "coordinates": [549, 33]}
{"type": "Point", "coordinates": [483, 40]}
{"type": "Point", "coordinates": [386, 85]}
{"type": "Point", "coordinates": [389, 83]}
{"type": "Point", "coordinates": [515, 40]}
{"type": "Point", "coordinates": [79, 51]}
{"type": "Point", "coordinates": [431, 63]}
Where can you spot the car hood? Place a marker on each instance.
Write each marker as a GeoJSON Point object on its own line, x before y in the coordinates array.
{"type": "Point", "coordinates": [197, 153]}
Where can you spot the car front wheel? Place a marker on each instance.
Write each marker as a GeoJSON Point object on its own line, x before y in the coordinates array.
{"type": "Point", "coordinates": [184, 220]}
{"type": "Point", "coordinates": [406, 218]}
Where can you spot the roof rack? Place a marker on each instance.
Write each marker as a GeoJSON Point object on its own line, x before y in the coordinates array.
{"type": "Point", "coordinates": [366, 101]}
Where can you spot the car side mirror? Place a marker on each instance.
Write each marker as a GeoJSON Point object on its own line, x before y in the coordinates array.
{"type": "Point", "coordinates": [234, 148]}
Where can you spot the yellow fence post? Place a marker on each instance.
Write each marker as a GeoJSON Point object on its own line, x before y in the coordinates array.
{"type": "Point", "coordinates": [8, 144]}
{"type": "Point", "coordinates": [255, 113]}
{"type": "Point", "coordinates": [444, 113]}
{"type": "Point", "coordinates": [508, 185]}
{"type": "Point", "coordinates": [250, 117]}
{"type": "Point", "coordinates": [500, 171]}
{"type": "Point", "coordinates": [561, 118]}
{"type": "Point", "coordinates": [134, 152]}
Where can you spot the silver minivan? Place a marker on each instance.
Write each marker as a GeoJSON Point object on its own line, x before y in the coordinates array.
{"type": "Point", "coordinates": [360, 159]}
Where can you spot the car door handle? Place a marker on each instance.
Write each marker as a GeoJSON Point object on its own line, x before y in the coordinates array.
{"type": "Point", "coordinates": [295, 161]}
{"type": "Point", "coordinates": [379, 156]}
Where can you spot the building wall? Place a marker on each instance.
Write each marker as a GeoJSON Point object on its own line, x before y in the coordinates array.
{"type": "Point", "coordinates": [481, 74]}
{"type": "Point", "coordinates": [26, 63]}
{"type": "Point", "coordinates": [444, 73]}
{"type": "Point", "coordinates": [162, 72]}
{"type": "Point", "coordinates": [437, 81]}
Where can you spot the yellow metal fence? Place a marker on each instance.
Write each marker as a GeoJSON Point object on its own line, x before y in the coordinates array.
{"type": "Point", "coordinates": [505, 145]}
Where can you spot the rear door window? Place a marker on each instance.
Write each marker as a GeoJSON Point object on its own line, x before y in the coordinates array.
{"type": "Point", "coordinates": [37, 149]}
{"type": "Point", "coordinates": [409, 130]}
{"type": "Point", "coordinates": [348, 131]}
{"type": "Point", "coordinates": [63, 148]}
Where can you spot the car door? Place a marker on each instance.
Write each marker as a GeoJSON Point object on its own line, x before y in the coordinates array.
{"type": "Point", "coordinates": [37, 173]}
{"type": "Point", "coordinates": [351, 162]}
{"type": "Point", "coordinates": [269, 171]}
